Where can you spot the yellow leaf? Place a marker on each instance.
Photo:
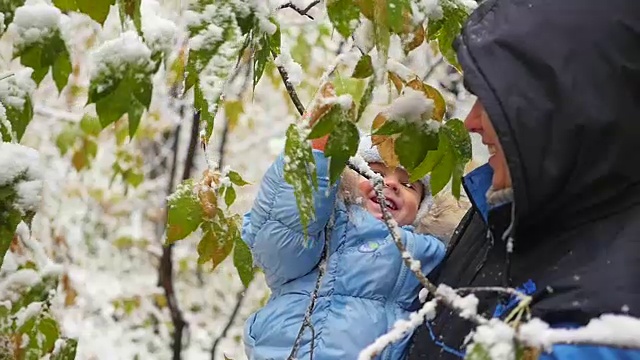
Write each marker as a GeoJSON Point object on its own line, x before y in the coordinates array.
{"type": "Point", "coordinates": [440, 106]}
{"type": "Point", "coordinates": [397, 81]}
{"type": "Point", "coordinates": [233, 109]}
{"type": "Point", "coordinates": [384, 143]}
{"type": "Point", "coordinates": [413, 39]}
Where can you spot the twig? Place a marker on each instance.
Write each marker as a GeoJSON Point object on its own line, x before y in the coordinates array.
{"type": "Point", "coordinates": [432, 68]}
{"type": "Point", "coordinates": [303, 12]}
{"type": "Point", "coordinates": [165, 271]}
{"type": "Point", "coordinates": [236, 310]}
{"type": "Point", "coordinates": [314, 297]}
{"type": "Point", "coordinates": [290, 89]}
{"type": "Point", "coordinates": [496, 289]}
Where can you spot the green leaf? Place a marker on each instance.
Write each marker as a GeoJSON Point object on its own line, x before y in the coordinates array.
{"type": "Point", "coordinates": [349, 86]}
{"type": "Point", "coordinates": [131, 9]}
{"type": "Point", "coordinates": [133, 178]}
{"type": "Point", "coordinates": [96, 9]}
{"type": "Point", "coordinates": [364, 68]}
{"type": "Point", "coordinates": [442, 172]}
{"type": "Point", "coordinates": [49, 328]}
{"type": "Point", "coordinates": [459, 139]}
{"type": "Point", "coordinates": [184, 214]}
{"type": "Point", "coordinates": [300, 173]}
{"type": "Point", "coordinates": [414, 143]}
{"type": "Point", "coordinates": [390, 127]}
{"type": "Point", "coordinates": [61, 70]}
{"type": "Point", "coordinates": [67, 138]}
{"type": "Point", "coordinates": [274, 40]}
{"type": "Point", "coordinates": [326, 123]}
{"type": "Point", "coordinates": [446, 29]}
{"type": "Point", "coordinates": [90, 125]}
{"type": "Point", "coordinates": [366, 98]}
{"type": "Point", "coordinates": [136, 109]}
{"type": "Point", "coordinates": [236, 179]}
{"type": "Point", "coordinates": [260, 58]}
{"type": "Point", "coordinates": [478, 352]}
{"type": "Point", "coordinates": [19, 118]}
{"type": "Point", "coordinates": [395, 14]}
{"type": "Point", "coordinates": [229, 195]}
{"type": "Point", "coordinates": [9, 220]}
{"type": "Point", "coordinates": [216, 243]}
{"type": "Point", "coordinates": [342, 14]}
{"type": "Point", "coordinates": [67, 351]}
{"type": "Point", "coordinates": [66, 5]}
{"type": "Point", "coordinates": [243, 261]}
{"type": "Point", "coordinates": [341, 145]}
{"type": "Point", "coordinates": [456, 180]}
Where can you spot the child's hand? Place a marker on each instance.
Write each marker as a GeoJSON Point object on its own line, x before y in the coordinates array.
{"type": "Point", "coordinates": [320, 110]}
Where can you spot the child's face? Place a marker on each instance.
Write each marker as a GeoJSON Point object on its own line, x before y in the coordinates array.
{"type": "Point", "coordinates": [403, 197]}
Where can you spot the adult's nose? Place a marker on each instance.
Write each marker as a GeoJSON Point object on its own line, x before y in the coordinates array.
{"type": "Point", "coordinates": [473, 121]}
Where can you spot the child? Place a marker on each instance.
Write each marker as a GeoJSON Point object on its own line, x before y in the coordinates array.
{"type": "Point", "coordinates": [366, 287]}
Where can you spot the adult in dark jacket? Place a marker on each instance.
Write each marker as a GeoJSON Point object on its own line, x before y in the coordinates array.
{"type": "Point", "coordinates": [560, 83]}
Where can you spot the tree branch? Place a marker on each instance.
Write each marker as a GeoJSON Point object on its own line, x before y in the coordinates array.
{"type": "Point", "coordinates": [234, 314]}
{"type": "Point", "coordinates": [303, 12]}
{"type": "Point", "coordinates": [165, 271]}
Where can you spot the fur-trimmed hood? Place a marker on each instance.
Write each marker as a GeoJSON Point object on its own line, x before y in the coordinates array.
{"type": "Point", "coordinates": [440, 219]}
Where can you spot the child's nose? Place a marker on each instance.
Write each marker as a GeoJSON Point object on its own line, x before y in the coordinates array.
{"type": "Point", "coordinates": [392, 182]}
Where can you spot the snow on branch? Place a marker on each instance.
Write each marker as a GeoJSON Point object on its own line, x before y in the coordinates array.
{"type": "Point", "coordinates": [400, 329]}
{"type": "Point", "coordinates": [303, 12]}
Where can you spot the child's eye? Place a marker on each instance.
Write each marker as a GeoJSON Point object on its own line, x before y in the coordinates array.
{"type": "Point", "coordinates": [409, 186]}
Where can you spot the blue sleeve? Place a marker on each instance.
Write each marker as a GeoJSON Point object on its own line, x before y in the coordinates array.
{"type": "Point", "coordinates": [589, 352]}
{"type": "Point", "coordinates": [428, 249]}
{"type": "Point", "coordinates": [273, 231]}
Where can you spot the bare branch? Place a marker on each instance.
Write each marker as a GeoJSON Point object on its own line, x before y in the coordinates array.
{"type": "Point", "coordinates": [303, 12]}
{"type": "Point", "coordinates": [234, 314]}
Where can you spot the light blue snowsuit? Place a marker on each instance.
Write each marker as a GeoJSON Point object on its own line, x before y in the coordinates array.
{"type": "Point", "coordinates": [366, 287]}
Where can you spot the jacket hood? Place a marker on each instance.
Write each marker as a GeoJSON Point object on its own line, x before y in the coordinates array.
{"type": "Point", "coordinates": [560, 81]}
{"type": "Point", "coordinates": [440, 219]}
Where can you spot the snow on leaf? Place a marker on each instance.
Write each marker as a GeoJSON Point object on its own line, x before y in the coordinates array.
{"type": "Point", "coordinates": [15, 96]}
{"type": "Point", "coordinates": [342, 14]}
{"type": "Point", "coordinates": [96, 9]}
{"type": "Point", "coordinates": [341, 145]}
{"type": "Point", "coordinates": [185, 212]}
{"type": "Point", "coordinates": [64, 349]}
{"type": "Point", "coordinates": [300, 173]}
{"type": "Point", "coordinates": [39, 43]}
{"type": "Point", "coordinates": [445, 29]}
{"type": "Point", "coordinates": [122, 68]}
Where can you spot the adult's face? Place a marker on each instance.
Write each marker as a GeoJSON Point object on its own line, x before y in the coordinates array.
{"type": "Point", "coordinates": [478, 122]}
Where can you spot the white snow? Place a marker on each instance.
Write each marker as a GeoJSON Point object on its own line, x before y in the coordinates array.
{"type": "Point", "coordinates": [402, 71]}
{"type": "Point", "coordinates": [15, 160]}
{"type": "Point", "coordinates": [364, 36]}
{"type": "Point", "coordinates": [608, 329]}
{"type": "Point", "coordinates": [15, 88]}
{"type": "Point", "coordinates": [35, 22]}
{"type": "Point", "coordinates": [28, 312]}
{"type": "Point", "coordinates": [497, 338]}
{"type": "Point", "coordinates": [159, 33]}
{"type": "Point", "coordinates": [400, 329]}
{"type": "Point", "coordinates": [114, 56]}
{"type": "Point", "coordinates": [467, 305]}
{"type": "Point", "coordinates": [293, 69]}
{"type": "Point", "coordinates": [411, 105]}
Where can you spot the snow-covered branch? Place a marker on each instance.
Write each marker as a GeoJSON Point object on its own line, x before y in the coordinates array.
{"type": "Point", "coordinates": [303, 12]}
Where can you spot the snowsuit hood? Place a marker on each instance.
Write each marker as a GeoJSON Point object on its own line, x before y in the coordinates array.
{"type": "Point", "coordinates": [560, 81]}
{"type": "Point", "coordinates": [365, 289]}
